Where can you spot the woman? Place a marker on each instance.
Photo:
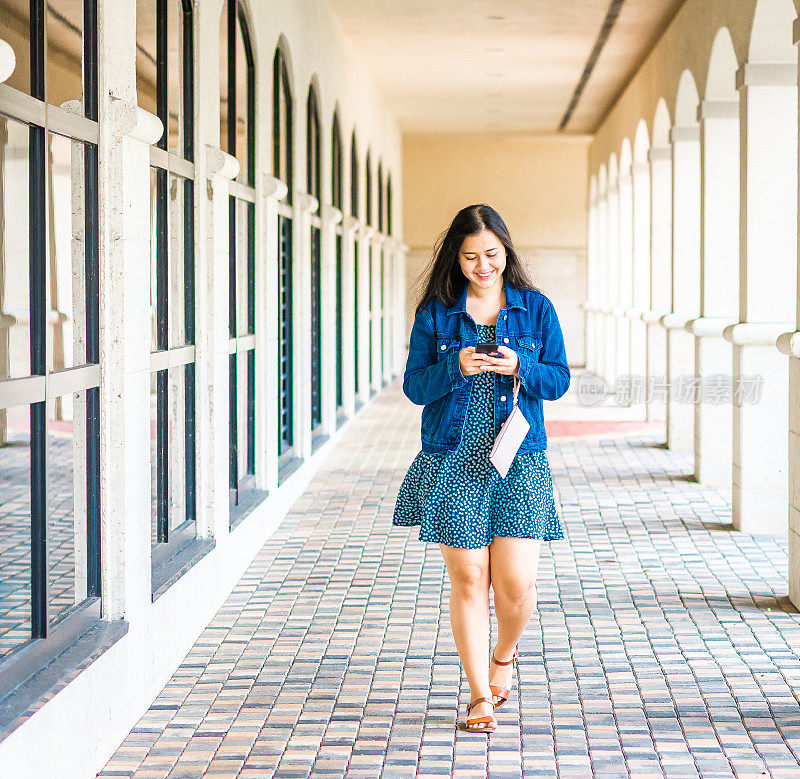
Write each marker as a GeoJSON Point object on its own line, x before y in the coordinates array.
{"type": "Point", "coordinates": [489, 529]}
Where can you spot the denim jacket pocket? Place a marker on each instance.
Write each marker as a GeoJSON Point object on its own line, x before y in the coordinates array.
{"type": "Point", "coordinates": [531, 343]}
{"type": "Point", "coordinates": [444, 345]}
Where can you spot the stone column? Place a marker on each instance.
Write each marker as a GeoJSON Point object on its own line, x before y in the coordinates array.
{"type": "Point", "coordinates": [304, 206]}
{"type": "Point", "coordinates": [685, 286]}
{"type": "Point", "coordinates": [8, 62]}
{"type": "Point", "coordinates": [330, 218]}
{"type": "Point", "coordinates": [591, 279]}
{"type": "Point", "coordinates": [350, 230]}
{"type": "Point", "coordinates": [611, 286]}
{"type": "Point", "coordinates": [660, 159]}
{"type": "Point", "coordinates": [601, 282]}
{"type": "Point", "coordinates": [624, 290]}
{"type": "Point", "coordinates": [789, 344]}
{"type": "Point", "coordinates": [376, 254]}
{"type": "Point", "coordinates": [267, 382]}
{"type": "Point", "coordinates": [125, 484]}
{"type": "Point", "coordinates": [719, 288]}
{"type": "Point", "coordinates": [640, 291]}
{"type": "Point", "coordinates": [399, 318]}
{"type": "Point", "coordinates": [365, 237]}
{"type": "Point", "coordinates": [768, 295]}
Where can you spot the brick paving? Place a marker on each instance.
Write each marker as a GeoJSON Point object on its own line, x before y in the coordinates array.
{"type": "Point", "coordinates": [663, 644]}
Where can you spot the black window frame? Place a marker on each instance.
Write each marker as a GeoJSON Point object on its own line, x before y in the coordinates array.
{"type": "Point", "coordinates": [75, 634]}
{"type": "Point", "coordinates": [368, 215]}
{"type": "Point", "coordinates": [337, 199]}
{"type": "Point", "coordinates": [243, 490]}
{"type": "Point", "coordinates": [282, 168]}
{"type": "Point", "coordinates": [176, 549]}
{"type": "Point", "coordinates": [314, 188]}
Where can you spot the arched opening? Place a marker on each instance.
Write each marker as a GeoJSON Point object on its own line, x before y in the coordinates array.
{"type": "Point", "coordinates": [370, 259]}
{"type": "Point", "coordinates": [660, 256]}
{"type": "Point", "coordinates": [624, 290]}
{"type": "Point", "coordinates": [640, 264]}
{"type": "Point", "coordinates": [282, 168]}
{"type": "Point", "coordinates": [612, 271]}
{"type": "Point", "coordinates": [237, 137]}
{"type": "Point", "coordinates": [685, 276]}
{"type": "Point", "coordinates": [49, 321]}
{"type": "Point", "coordinates": [165, 85]}
{"type": "Point", "coordinates": [354, 196]}
{"type": "Point", "coordinates": [314, 187]}
{"type": "Point", "coordinates": [719, 256]}
{"type": "Point", "coordinates": [337, 200]}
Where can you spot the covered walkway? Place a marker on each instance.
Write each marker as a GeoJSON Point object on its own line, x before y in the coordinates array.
{"type": "Point", "coordinates": [664, 644]}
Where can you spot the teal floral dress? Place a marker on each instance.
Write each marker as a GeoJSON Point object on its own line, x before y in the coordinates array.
{"type": "Point", "coordinates": [458, 498]}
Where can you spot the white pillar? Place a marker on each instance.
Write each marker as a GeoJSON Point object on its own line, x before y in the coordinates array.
{"type": "Point", "coordinates": [399, 319]}
{"type": "Point", "coordinates": [789, 344]}
{"type": "Point", "coordinates": [304, 206]}
{"type": "Point", "coordinates": [624, 291]}
{"type": "Point", "coordinates": [125, 482]}
{"type": "Point", "coordinates": [685, 285]}
{"type": "Point", "coordinates": [767, 307]}
{"type": "Point", "coordinates": [591, 276]}
{"type": "Point", "coordinates": [364, 258]}
{"type": "Point", "coordinates": [350, 229]}
{"type": "Point", "coordinates": [660, 159]}
{"type": "Point", "coordinates": [601, 281]}
{"type": "Point", "coordinates": [640, 291]}
{"type": "Point", "coordinates": [612, 285]}
{"type": "Point", "coordinates": [719, 208]}
{"type": "Point", "coordinates": [330, 217]}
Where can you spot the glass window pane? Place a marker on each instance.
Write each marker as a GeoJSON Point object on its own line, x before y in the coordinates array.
{"type": "Point", "coordinates": [15, 29]}
{"type": "Point", "coordinates": [175, 76]}
{"type": "Point", "coordinates": [64, 51]}
{"type": "Point", "coordinates": [242, 125]}
{"type": "Point", "coordinates": [223, 78]}
{"type": "Point", "coordinates": [15, 359]}
{"type": "Point", "coordinates": [15, 528]}
{"type": "Point", "coordinates": [66, 503]}
{"type": "Point", "coordinates": [146, 54]}
{"type": "Point", "coordinates": [66, 254]}
{"type": "Point", "coordinates": [177, 313]}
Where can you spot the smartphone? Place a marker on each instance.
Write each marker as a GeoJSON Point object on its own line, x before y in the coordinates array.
{"type": "Point", "coordinates": [490, 349]}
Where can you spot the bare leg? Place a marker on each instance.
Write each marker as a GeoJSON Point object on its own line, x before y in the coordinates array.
{"type": "Point", "coordinates": [513, 566]}
{"type": "Point", "coordinates": [468, 570]}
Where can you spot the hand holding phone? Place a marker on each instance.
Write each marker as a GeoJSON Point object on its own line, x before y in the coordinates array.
{"type": "Point", "coordinates": [491, 349]}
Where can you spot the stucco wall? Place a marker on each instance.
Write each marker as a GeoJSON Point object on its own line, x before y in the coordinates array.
{"type": "Point", "coordinates": [536, 183]}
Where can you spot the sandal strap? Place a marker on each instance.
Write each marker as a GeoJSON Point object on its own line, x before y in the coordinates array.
{"type": "Point", "coordinates": [500, 692]}
{"type": "Point", "coordinates": [471, 705]}
{"type": "Point", "coordinates": [503, 662]}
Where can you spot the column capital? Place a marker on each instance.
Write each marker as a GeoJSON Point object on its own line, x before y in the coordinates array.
{"type": "Point", "coordinates": [330, 214]}
{"type": "Point", "coordinates": [756, 333]}
{"type": "Point", "coordinates": [789, 343]}
{"type": "Point", "coordinates": [759, 74]}
{"type": "Point", "coordinates": [684, 133]}
{"type": "Point", "coordinates": [675, 320]}
{"type": "Point", "coordinates": [718, 109]}
{"type": "Point", "coordinates": [134, 122]}
{"type": "Point", "coordinates": [350, 224]}
{"type": "Point", "coordinates": [220, 163]}
{"type": "Point", "coordinates": [652, 317]}
{"type": "Point", "coordinates": [273, 187]}
{"type": "Point", "coordinates": [305, 202]}
{"type": "Point", "coordinates": [366, 232]}
{"type": "Point", "coordinates": [708, 325]}
{"type": "Point", "coordinates": [660, 154]}
{"type": "Point", "coordinates": [8, 60]}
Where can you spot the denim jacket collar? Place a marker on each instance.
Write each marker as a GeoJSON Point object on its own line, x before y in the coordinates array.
{"type": "Point", "coordinates": [513, 299]}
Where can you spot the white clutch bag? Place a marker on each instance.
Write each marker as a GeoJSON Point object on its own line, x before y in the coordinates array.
{"type": "Point", "coordinates": [510, 437]}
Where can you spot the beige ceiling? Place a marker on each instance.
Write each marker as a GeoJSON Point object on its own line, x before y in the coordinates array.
{"type": "Point", "coordinates": [453, 65]}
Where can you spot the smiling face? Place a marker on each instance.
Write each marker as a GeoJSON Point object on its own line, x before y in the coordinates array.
{"type": "Point", "coordinates": [482, 259]}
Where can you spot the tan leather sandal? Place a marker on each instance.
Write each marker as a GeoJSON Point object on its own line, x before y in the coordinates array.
{"type": "Point", "coordinates": [500, 694]}
{"type": "Point", "coordinates": [480, 724]}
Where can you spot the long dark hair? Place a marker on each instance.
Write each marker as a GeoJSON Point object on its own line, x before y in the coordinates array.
{"type": "Point", "coordinates": [445, 281]}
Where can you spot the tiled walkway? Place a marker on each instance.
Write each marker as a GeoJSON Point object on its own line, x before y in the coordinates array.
{"type": "Point", "coordinates": [663, 644]}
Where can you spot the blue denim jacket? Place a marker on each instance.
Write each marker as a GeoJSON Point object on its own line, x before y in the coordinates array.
{"type": "Point", "coordinates": [433, 378]}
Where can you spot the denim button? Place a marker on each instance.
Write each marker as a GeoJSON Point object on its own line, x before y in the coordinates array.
{"type": "Point", "coordinates": [503, 398]}
{"type": "Point", "coordinates": [505, 340]}
{"type": "Point", "coordinates": [505, 316]}
{"type": "Point", "coordinates": [444, 346]}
